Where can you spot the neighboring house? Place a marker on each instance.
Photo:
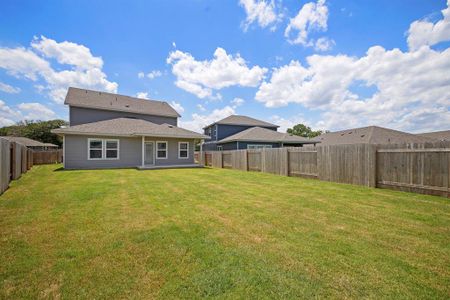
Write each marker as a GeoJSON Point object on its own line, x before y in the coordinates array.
{"type": "Point", "coordinates": [370, 135]}
{"type": "Point", "coordinates": [114, 131]}
{"type": "Point", "coordinates": [29, 143]}
{"type": "Point", "coordinates": [258, 137]}
{"type": "Point", "coordinates": [443, 136]}
{"type": "Point", "coordinates": [242, 132]}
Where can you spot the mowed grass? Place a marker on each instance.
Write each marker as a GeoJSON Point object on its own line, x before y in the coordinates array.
{"type": "Point", "coordinates": [195, 233]}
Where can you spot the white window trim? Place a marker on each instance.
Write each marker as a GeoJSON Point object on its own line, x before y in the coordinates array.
{"type": "Point", "coordinates": [118, 149]}
{"type": "Point", "coordinates": [219, 148]}
{"type": "Point", "coordinates": [103, 149]}
{"type": "Point", "coordinates": [167, 149]}
{"type": "Point", "coordinates": [89, 149]}
{"type": "Point", "coordinates": [179, 150]}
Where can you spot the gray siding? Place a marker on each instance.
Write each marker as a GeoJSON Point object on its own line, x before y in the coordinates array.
{"type": "Point", "coordinates": [172, 158]}
{"type": "Point", "coordinates": [80, 115]}
{"type": "Point", "coordinates": [130, 153]}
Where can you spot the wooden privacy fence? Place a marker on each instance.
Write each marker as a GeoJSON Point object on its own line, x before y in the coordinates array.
{"type": "Point", "coordinates": [16, 159]}
{"type": "Point", "coordinates": [422, 168]}
{"type": "Point", "coordinates": [47, 157]}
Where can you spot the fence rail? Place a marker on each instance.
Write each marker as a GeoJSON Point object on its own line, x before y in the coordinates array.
{"type": "Point", "coordinates": [16, 159]}
{"type": "Point", "coordinates": [421, 168]}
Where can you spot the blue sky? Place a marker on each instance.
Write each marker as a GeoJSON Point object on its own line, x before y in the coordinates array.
{"type": "Point", "coordinates": [329, 64]}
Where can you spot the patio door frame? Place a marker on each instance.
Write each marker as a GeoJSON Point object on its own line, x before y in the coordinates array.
{"type": "Point", "coordinates": [145, 152]}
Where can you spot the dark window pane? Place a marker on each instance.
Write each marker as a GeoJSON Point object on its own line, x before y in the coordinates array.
{"type": "Point", "coordinates": [96, 144]}
{"type": "Point", "coordinates": [161, 154]}
{"type": "Point", "coordinates": [111, 145]}
{"type": "Point", "coordinates": [95, 153]}
{"type": "Point", "coordinates": [183, 153]}
{"type": "Point", "coordinates": [183, 146]}
{"type": "Point", "coordinates": [111, 153]}
{"type": "Point", "coordinates": [162, 146]}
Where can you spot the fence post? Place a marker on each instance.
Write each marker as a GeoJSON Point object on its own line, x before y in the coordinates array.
{"type": "Point", "coordinates": [372, 165]}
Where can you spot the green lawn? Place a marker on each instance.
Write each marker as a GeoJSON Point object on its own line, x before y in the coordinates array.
{"type": "Point", "coordinates": [195, 233]}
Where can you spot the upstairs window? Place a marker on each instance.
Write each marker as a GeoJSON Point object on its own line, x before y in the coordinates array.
{"type": "Point", "coordinates": [183, 150]}
{"type": "Point", "coordinates": [161, 150]}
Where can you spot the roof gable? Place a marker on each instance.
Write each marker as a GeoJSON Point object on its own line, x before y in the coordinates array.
{"type": "Point", "coordinates": [107, 101]}
{"type": "Point", "coordinates": [243, 120]}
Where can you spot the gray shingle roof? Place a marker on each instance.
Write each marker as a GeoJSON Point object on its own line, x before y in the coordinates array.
{"type": "Point", "coordinates": [370, 135]}
{"type": "Point", "coordinates": [129, 127]}
{"type": "Point", "coordinates": [27, 141]}
{"type": "Point", "coordinates": [107, 101]}
{"type": "Point", "coordinates": [443, 135]}
{"type": "Point", "coordinates": [243, 120]}
{"type": "Point", "coordinates": [258, 134]}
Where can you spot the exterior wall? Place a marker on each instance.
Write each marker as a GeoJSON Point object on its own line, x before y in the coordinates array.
{"type": "Point", "coordinates": [172, 155]}
{"type": "Point", "coordinates": [76, 153]}
{"type": "Point", "coordinates": [80, 115]}
{"type": "Point", "coordinates": [130, 153]}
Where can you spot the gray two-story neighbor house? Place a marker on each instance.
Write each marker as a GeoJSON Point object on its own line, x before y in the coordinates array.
{"type": "Point", "coordinates": [115, 131]}
{"type": "Point", "coordinates": [242, 132]}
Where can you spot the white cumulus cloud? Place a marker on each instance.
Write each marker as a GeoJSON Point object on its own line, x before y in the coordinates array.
{"type": "Point", "coordinates": [198, 121]}
{"type": "Point", "coordinates": [261, 12]}
{"type": "Point", "coordinates": [425, 32]}
{"type": "Point", "coordinates": [177, 106]}
{"type": "Point", "coordinates": [237, 102]}
{"type": "Point", "coordinates": [406, 90]}
{"type": "Point", "coordinates": [311, 17]}
{"type": "Point", "coordinates": [202, 77]}
{"type": "Point", "coordinates": [36, 111]}
{"type": "Point", "coordinates": [142, 95]}
{"type": "Point", "coordinates": [76, 66]}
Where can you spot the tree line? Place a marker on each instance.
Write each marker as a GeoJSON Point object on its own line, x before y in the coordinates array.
{"type": "Point", "coordinates": [35, 130]}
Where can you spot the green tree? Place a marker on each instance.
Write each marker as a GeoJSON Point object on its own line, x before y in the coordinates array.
{"type": "Point", "coordinates": [36, 130]}
{"type": "Point", "coordinates": [304, 131]}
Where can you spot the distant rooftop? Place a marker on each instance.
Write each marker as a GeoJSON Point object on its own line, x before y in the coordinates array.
{"type": "Point", "coordinates": [443, 135]}
{"type": "Point", "coordinates": [107, 101]}
{"type": "Point", "coordinates": [370, 135]}
{"type": "Point", "coordinates": [27, 142]}
{"type": "Point", "coordinates": [243, 120]}
{"type": "Point", "coordinates": [258, 134]}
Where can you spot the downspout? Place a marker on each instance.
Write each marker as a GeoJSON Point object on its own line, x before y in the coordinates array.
{"type": "Point", "coordinates": [143, 150]}
{"type": "Point", "coordinates": [64, 151]}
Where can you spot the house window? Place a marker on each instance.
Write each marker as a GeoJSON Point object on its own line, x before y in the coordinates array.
{"type": "Point", "coordinates": [183, 150]}
{"type": "Point", "coordinates": [112, 149]}
{"type": "Point", "coordinates": [250, 146]}
{"type": "Point", "coordinates": [161, 150]}
{"type": "Point", "coordinates": [103, 149]}
{"type": "Point", "coordinates": [219, 148]}
{"type": "Point", "coordinates": [95, 149]}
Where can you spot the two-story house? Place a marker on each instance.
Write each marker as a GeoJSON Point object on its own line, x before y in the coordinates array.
{"type": "Point", "coordinates": [242, 132]}
{"type": "Point", "coordinates": [115, 131]}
